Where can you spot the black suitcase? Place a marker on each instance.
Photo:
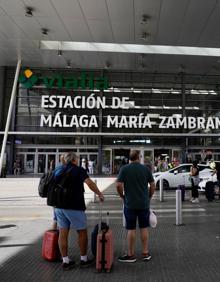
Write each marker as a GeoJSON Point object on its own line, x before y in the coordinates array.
{"type": "Point", "coordinates": [94, 235]}
{"type": "Point", "coordinates": [210, 191]}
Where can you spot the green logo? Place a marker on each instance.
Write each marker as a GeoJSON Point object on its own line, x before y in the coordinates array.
{"type": "Point", "coordinates": [86, 81]}
{"type": "Point", "coordinates": [28, 79]}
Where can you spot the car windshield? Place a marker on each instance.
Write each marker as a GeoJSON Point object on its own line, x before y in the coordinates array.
{"type": "Point", "coordinates": [201, 167]}
{"type": "Point", "coordinates": [181, 169]}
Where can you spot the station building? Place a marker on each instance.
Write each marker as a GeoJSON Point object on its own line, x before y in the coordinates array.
{"type": "Point", "coordinates": [101, 103]}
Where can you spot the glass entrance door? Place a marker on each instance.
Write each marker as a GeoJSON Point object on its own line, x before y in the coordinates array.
{"type": "Point", "coordinates": [107, 162]}
{"type": "Point", "coordinates": [89, 162]}
{"type": "Point", "coordinates": [41, 163]}
{"type": "Point", "coordinates": [51, 161]}
{"type": "Point", "coordinates": [29, 163]}
{"type": "Point", "coordinates": [120, 158]}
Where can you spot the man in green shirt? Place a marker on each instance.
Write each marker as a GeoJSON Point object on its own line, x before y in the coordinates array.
{"type": "Point", "coordinates": [132, 187]}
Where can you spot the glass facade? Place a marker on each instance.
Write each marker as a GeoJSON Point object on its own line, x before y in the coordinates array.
{"type": "Point", "coordinates": [160, 114]}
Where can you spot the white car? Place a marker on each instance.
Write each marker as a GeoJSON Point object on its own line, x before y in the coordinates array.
{"type": "Point", "coordinates": [180, 175]}
{"type": "Point", "coordinates": [204, 180]}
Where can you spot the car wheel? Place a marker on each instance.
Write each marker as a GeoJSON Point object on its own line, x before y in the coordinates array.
{"type": "Point", "coordinates": [165, 184]}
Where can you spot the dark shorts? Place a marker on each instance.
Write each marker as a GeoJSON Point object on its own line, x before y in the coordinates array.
{"type": "Point", "coordinates": [131, 217]}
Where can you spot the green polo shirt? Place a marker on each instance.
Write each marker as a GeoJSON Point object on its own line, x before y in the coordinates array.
{"type": "Point", "coordinates": [135, 177]}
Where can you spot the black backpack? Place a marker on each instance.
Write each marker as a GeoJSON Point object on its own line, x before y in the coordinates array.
{"type": "Point", "coordinates": [45, 182]}
{"type": "Point", "coordinates": [210, 191]}
{"type": "Point", "coordinates": [60, 194]}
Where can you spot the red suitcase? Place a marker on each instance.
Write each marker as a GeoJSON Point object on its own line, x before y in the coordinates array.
{"type": "Point", "coordinates": [104, 253]}
{"type": "Point", "coordinates": [50, 248]}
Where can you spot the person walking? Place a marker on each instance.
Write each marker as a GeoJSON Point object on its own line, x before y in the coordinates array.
{"type": "Point", "coordinates": [194, 174]}
{"type": "Point", "coordinates": [74, 216]}
{"type": "Point", "coordinates": [132, 187]}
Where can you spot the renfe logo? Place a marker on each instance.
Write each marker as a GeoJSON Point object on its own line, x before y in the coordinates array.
{"type": "Point", "coordinates": [28, 79]}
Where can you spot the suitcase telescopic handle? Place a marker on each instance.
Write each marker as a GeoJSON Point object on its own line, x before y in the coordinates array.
{"type": "Point", "coordinates": [107, 218]}
{"type": "Point", "coordinates": [100, 213]}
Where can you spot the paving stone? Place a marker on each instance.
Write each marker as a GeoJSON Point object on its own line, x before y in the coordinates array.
{"type": "Point", "coordinates": [179, 253]}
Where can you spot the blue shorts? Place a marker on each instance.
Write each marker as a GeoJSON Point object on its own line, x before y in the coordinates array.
{"type": "Point", "coordinates": [71, 219]}
{"type": "Point", "coordinates": [54, 215]}
{"type": "Point", "coordinates": [131, 217]}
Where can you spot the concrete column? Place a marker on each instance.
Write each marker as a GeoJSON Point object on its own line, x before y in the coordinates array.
{"type": "Point", "coordinates": [100, 139]}
{"type": "Point", "coordinates": [99, 155]}
{"type": "Point", "coordinates": [11, 105]}
{"type": "Point", "coordinates": [36, 162]}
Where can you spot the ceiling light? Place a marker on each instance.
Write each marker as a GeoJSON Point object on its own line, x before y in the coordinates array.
{"type": "Point", "coordinates": [107, 65]}
{"type": "Point", "coordinates": [144, 35]}
{"type": "Point", "coordinates": [129, 48]}
{"type": "Point", "coordinates": [142, 56]}
{"type": "Point", "coordinates": [44, 31]}
{"type": "Point", "coordinates": [181, 68]}
{"type": "Point", "coordinates": [144, 19]}
{"type": "Point", "coordinates": [68, 64]}
{"type": "Point", "coordinates": [59, 53]}
{"type": "Point", "coordinates": [29, 12]}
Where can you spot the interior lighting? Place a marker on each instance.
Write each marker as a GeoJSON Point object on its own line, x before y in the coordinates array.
{"type": "Point", "coordinates": [154, 115]}
{"type": "Point", "coordinates": [68, 65]}
{"type": "Point", "coordinates": [194, 91]}
{"type": "Point", "coordinates": [177, 115]}
{"type": "Point", "coordinates": [203, 92]}
{"type": "Point", "coordinates": [147, 141]}
{"type": "Point", "coordinates": [192, 108]}
{"type": "Point", "coordinates": [156, 90]}
{"type": "Point", "coordinates": [107, 65]}
{"type": "Point", "coordinates": [174, 91]}
{"type": "Point", "coordinates": [212, 92]}
{"type": "Point", "coordinates": [129, 48]}
{"type": "Point", "coordinates": [117, 90]}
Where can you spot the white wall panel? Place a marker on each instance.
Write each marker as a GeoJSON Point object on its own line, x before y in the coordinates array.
{"type": "Point", "coordinates": [196, 18]}
{"type": "Point", "coordinates": [78, 29]}
{"type": "Point", "coordinates": [123, 31]}
{"type": "Point", "coordinates": [13, 7]}
{"type": "Point", "coordinates": [120, 9]}
{"type": "Point", "coordinates": [95, 9]}
{"type": "Point", "coordinates": [100, 30]}
{"type": "Point", "coordinates": [210, 34]}
{"type": "Point", "coordinates": [29, 25]}
{"type": "Point", "coordinates": [171, 21]}
{"type": "Point", "coordinates": [68, 8]}
{"type": "Point", "coordinates": [10, 28]}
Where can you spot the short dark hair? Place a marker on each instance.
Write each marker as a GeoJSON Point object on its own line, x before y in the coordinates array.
{"type": "Point", "coordinates": [195, 163]}
{"type": "Point", "coordinates": [134, 155]}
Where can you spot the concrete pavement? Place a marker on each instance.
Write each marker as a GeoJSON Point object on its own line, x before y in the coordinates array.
{"type": "Point", "coordinates": [21, 209]}
{"type": "Point", "coordinates": [179, 253]}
